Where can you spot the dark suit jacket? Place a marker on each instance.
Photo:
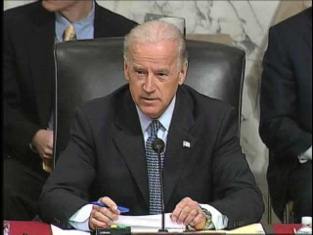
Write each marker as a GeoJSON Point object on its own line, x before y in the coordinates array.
{"type": "Point", "coordinates": [286, 100]}
{"type": "Point", "coordinates": [106, 157]}
{"type": "Point", "coordinates": [29, 70]}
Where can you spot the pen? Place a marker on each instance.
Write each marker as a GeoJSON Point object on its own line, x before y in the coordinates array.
{"type": "Point", "coordinates": [120, 208]}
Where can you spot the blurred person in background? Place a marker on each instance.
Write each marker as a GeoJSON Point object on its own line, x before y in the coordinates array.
{"type": "Point", "coordinates": [30, 32]}
{"type": "Point", "coordinates": [286, 114]}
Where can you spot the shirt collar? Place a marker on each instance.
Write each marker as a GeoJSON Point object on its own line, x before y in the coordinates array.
{"type": "Point", "coordinates": [164, 119]}
{"type": "Point", "coordinates": [61, 23]}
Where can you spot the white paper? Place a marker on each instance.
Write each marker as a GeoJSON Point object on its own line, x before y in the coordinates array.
{"type": "Point", "coordinates": [248, 229]}
{"type": "Point", "coordinates": [58, 231]}
{"type": "Point", "coordinates": [145, 223]}
{"type": "Point", "coordinates": [148, 221]}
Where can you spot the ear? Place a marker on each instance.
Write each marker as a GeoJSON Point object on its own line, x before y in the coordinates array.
{"type": "Point", "coordinates": [183, 73]}
{"type": "Point", "coordinates": [126, 70]}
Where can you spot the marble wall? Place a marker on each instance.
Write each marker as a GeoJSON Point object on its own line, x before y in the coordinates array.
{"type": "Point", "coordinates": [240, 23]}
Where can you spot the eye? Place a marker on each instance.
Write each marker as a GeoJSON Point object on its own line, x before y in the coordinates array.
{"type": "Point", "coordinates": [162, 75]}
{"type": "Point", "coordinates": [140, 72]}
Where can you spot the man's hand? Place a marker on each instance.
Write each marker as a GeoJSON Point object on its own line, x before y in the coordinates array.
{"type": "Point", "coordinates": [103, 217]}
{"type": "Point", "coordinates": [43, 142]}
{"type": "Point", "coordinates": [188, 212]}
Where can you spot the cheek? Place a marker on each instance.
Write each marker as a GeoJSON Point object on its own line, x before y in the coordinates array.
{"type": "Point", "coordinates": [168, 91]}
{"type": "Point", "coordinates": [135, 89]}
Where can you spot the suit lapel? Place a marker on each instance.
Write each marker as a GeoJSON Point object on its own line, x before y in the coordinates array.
{"type": "Point", "coordinates": [176, 152]}
{"type": "Point", "coordinates": [41, 61]}
{"type": "Point", "coordinates": [129, 141]}
{"type": "Point", "coordinates": [101, 23]}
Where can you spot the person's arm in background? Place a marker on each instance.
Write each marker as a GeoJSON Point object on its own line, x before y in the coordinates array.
{"type": "Point", "coordinates": [279, 128]}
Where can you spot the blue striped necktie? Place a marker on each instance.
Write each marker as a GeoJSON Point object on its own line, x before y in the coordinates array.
{"type": "Point", "coordinates": [153, 170]}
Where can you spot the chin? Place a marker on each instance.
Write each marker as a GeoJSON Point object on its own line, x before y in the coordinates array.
{"type": "Point", "coordinates": [51, 6]}
{"type": "Point", "coordinates": [150, 113]}
{"type": "Point", "coordinates": [48, 6]}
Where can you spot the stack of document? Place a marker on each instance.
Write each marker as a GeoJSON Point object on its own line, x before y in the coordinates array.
{"type": "Point", "coordinates": [138, 224]}
{"type": "Point", "coordinates": [149, 223]}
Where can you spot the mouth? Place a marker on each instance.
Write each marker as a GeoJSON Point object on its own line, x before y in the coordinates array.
{"type": "Point", "coordinates": [149, 99]}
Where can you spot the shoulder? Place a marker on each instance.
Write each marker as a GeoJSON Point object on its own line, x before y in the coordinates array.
{"type": "Point", "coordinates": [205, 114]}
{"type": "Point", "coordinates": [294, 23]}
{"type": "Point", "coordinates": [106, 105]}
{"type": "Point", "coordinates": [21, 12]}
{"type": "Point", "coordinates": [27, 16]}
{"type": "Point", "coordinates": [202, 104]}
{"type": "Point", "coordinates": [112, 16]}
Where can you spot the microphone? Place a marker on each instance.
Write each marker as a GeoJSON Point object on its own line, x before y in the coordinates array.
{"type": "Point", "coordinates": [158, 147]}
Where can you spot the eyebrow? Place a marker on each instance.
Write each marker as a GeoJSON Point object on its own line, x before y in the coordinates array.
{"type": "Point", "coordinates": [162, 70]}
{"type": "Point", "coordinates": [137, 66]}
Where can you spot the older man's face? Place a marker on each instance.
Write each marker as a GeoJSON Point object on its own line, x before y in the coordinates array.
{"type": "Point", "coordinates": [154, 73]}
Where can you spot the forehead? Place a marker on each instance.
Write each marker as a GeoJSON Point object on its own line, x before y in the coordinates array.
{"type": "Point", "coordinates": [166, 51]}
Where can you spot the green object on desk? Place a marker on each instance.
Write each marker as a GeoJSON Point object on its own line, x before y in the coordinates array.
{"type": "Point", "coordinates": [118, 230]}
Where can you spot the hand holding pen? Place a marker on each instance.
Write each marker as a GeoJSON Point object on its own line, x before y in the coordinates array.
{"type": "Point", "coordinates": [120, 208]}
{"type": "Point", "coordinates": [104, 213]}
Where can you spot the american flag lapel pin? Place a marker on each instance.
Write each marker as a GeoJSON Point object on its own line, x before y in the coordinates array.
{"type": "Point", "coordinates": [186, 144]}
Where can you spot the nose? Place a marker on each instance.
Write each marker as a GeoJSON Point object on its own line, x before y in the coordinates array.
{"type": "Point", "coordinates": [148, 85]}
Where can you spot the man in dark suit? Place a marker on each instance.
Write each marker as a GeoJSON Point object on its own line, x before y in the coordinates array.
{"type": "Point", "coordinates": [286, 113]}
{"type": "Point", "coordinates": [207, 181]}
{"type": "Point", "coordinates": [30, 33]}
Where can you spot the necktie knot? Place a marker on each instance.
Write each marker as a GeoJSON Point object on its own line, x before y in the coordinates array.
{"type": "Point", "coordinates": [69, 33]}
{"type": "Point", "coordinates": [154, 126]}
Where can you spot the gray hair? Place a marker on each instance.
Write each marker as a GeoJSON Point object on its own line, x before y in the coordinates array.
{"type": "Point", "coordinates": [156, 31]}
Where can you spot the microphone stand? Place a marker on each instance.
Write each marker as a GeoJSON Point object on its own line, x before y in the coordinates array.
{"type": "Point", "coordinates": [162, 195]}
{"type": "Point", "coordinates": [158, 146]}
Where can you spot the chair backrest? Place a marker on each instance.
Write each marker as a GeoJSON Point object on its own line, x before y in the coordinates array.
{"type": "Point", "coordinates": [93, 68]}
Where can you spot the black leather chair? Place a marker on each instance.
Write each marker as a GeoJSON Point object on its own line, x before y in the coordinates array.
{"type": "Point", "coordinates": [94, 68]}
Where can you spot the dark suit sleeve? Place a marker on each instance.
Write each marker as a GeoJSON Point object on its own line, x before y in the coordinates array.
{"type": "Point", "coordinates": [279, 128]}
{"type": "Point", "coordinates": [18, 129]}
{"type": "Point", "coordinates": [66, 190]}
{"type": "Point", "coordinates": [235, 192]}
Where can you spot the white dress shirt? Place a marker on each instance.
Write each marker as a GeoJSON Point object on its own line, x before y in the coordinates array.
{"type": "Point", "coordinates": [84, 28]}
